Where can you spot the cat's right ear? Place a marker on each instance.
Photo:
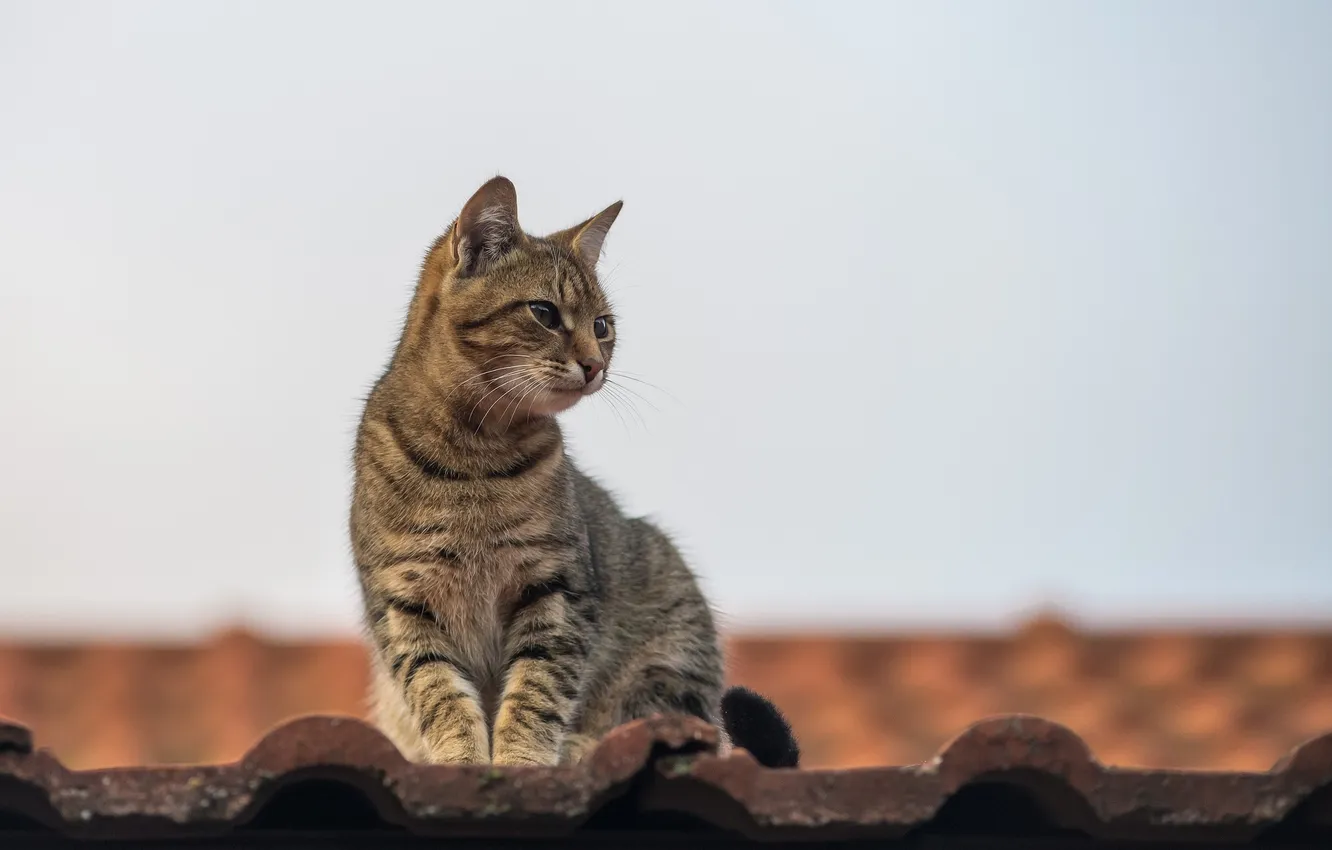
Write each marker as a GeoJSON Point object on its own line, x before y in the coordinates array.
{"type": "Point", "coordinates": [586, 238]}
{"type": "Point", "coordinates": [487, 228]}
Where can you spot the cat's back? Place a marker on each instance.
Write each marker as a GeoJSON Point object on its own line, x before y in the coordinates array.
{"type": "Point", "coordinates": [631, 556]}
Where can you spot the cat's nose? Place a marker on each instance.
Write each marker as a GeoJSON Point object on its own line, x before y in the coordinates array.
{"type": "Point", "coordinates": [591, 367]}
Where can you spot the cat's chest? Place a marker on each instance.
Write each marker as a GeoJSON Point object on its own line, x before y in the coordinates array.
{"type": "Point", "coordinates": [473, 592]}
{"type": "Point", "coordinates": [470, 601]}
{"type": "Point", "coordinates": [486, 545]}
{"type": "Point", "coordinates": [474, 584]}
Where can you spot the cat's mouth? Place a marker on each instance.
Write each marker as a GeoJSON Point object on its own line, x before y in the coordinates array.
{"type": "Point", "coordinates": [575, 387]}
{"type": "Point", "coordinates": [594, 384]}
{"type": "Point", "coordinates": [527, 394]}
{"type": "Point", "coordinates": [559, 396]}
{"type": "Point", "coordinates": [555, 400]}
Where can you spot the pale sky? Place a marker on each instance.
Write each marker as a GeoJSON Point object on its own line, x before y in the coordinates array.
{"type": "Point", "coordinates": [956, 310]}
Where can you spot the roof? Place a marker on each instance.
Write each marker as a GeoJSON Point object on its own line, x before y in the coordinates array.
{"type": "Point", "coordinates": [1198, 698]}
{"type": "Point", "coordinates": [1201, 697]}
{"type": "Point", "coordinates": [660, 778]}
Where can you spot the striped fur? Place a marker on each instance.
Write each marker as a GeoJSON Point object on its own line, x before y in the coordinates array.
{"type": "Point", "coordinates": [515, 613]}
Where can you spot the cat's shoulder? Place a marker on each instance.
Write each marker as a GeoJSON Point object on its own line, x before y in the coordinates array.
{"type": "Point", "coordinates": [594, 497]}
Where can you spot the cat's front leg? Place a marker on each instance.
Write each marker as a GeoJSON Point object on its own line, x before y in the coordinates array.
{"type": "Point", "coordinates": [546, 647]}
{"type": "Point", "coordinates": [441, 700]}
{"type": "Point", "coordinates": [452, 720]}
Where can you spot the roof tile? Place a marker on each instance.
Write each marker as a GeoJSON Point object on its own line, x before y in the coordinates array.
{"type": "Point", "coordinates": [1184, 698]}
{"type": "Point", "coordinates": [667, 766]}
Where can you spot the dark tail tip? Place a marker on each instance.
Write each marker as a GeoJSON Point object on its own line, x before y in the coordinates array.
{"type": "Point", "coordinates": [755, 724]}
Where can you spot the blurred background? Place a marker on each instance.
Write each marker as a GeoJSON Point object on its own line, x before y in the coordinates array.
{"type": "Point", "coordinates": [984, 345]}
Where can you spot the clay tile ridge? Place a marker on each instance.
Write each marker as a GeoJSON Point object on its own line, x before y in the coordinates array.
{"type": "Point", "coordinates": [1011, 774]}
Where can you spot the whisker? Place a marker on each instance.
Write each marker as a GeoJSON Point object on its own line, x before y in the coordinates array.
{"type": "Point", "coordinates": [499, 369]}
{"type": "Point", "coordinates": [607, 401]}
{"type": "Point", "coordinates": [623, 388]}
{"type": "Point", "coordinates": [489, 372]}
{"type": "Point", "coordinates": [620, 373]}
{"type": "Point", "coordinates": [536, 383]}
{"type": "Point", "coordinates": [503, 392]}
{"type": "Point", "coordinates": [614, 393]}
{"type": "Point", "coordinates": [506, 392]}
{"type": "Point", "coordinates": [530, 380]}
{"type": "Point", "coordinates": [634, 377]}
{"type": "Point", "coordinates": [493, 373]}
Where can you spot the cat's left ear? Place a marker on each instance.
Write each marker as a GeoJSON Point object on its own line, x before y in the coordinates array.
{"type": "Point", "coordinates": [586, 238]}
{"type": "Point", "coordinates": [487, 228]}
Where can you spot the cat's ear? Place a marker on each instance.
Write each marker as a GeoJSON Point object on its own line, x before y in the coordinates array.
{"type": "Point", "coordinates": [487, 228]}
{"type": "Point", "coordinates": [586, 238]}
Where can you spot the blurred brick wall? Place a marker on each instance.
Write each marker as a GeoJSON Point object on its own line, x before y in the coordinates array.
{"type": "Point", "coordinates": [1226, 700]}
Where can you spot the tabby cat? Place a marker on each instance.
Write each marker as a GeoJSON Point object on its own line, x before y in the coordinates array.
{"type": "Point", "coordinates": [515, 613]}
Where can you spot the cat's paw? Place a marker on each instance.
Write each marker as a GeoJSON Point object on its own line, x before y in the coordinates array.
{"type": "Point", "coordinates": [578, 747]}
{"type": "Point", "coordinates": [458, 752]}
{"type": "Point", "coordinates": [520, 755]}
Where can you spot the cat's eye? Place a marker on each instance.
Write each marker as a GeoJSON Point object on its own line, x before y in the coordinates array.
{"type": "Point", "coordinates": [601, 327]}
{"type": "Point", "coordinates": [546, 313]}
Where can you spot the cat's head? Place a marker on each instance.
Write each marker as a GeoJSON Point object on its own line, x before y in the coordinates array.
{"type": "Point", "coordinates": [513, 326]}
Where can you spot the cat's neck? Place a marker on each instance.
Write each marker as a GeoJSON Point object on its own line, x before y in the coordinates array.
{"type": "Point", "coordinates": [458, 432]}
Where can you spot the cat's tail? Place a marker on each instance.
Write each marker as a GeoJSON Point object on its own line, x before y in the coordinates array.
{"type": "Point", "coordinates": [755, 723]}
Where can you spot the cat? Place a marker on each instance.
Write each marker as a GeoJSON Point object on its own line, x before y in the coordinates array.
{"type": "Point", "coordinates": [515, 614]}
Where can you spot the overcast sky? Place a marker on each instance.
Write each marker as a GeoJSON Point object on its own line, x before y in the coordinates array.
{"type": "Point", "coordinates": [956, 309]}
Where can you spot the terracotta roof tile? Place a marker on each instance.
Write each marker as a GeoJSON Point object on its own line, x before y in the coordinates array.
{"type": "Point", "coordinates": [1184, 698]}
{"type": "Point", "coordinates": [1196, 699]}
{"type": "Point", "coordinates": [1001, 777]}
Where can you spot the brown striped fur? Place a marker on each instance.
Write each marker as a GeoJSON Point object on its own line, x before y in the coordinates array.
{"type": "Point", "coordinates": [515, 613]}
